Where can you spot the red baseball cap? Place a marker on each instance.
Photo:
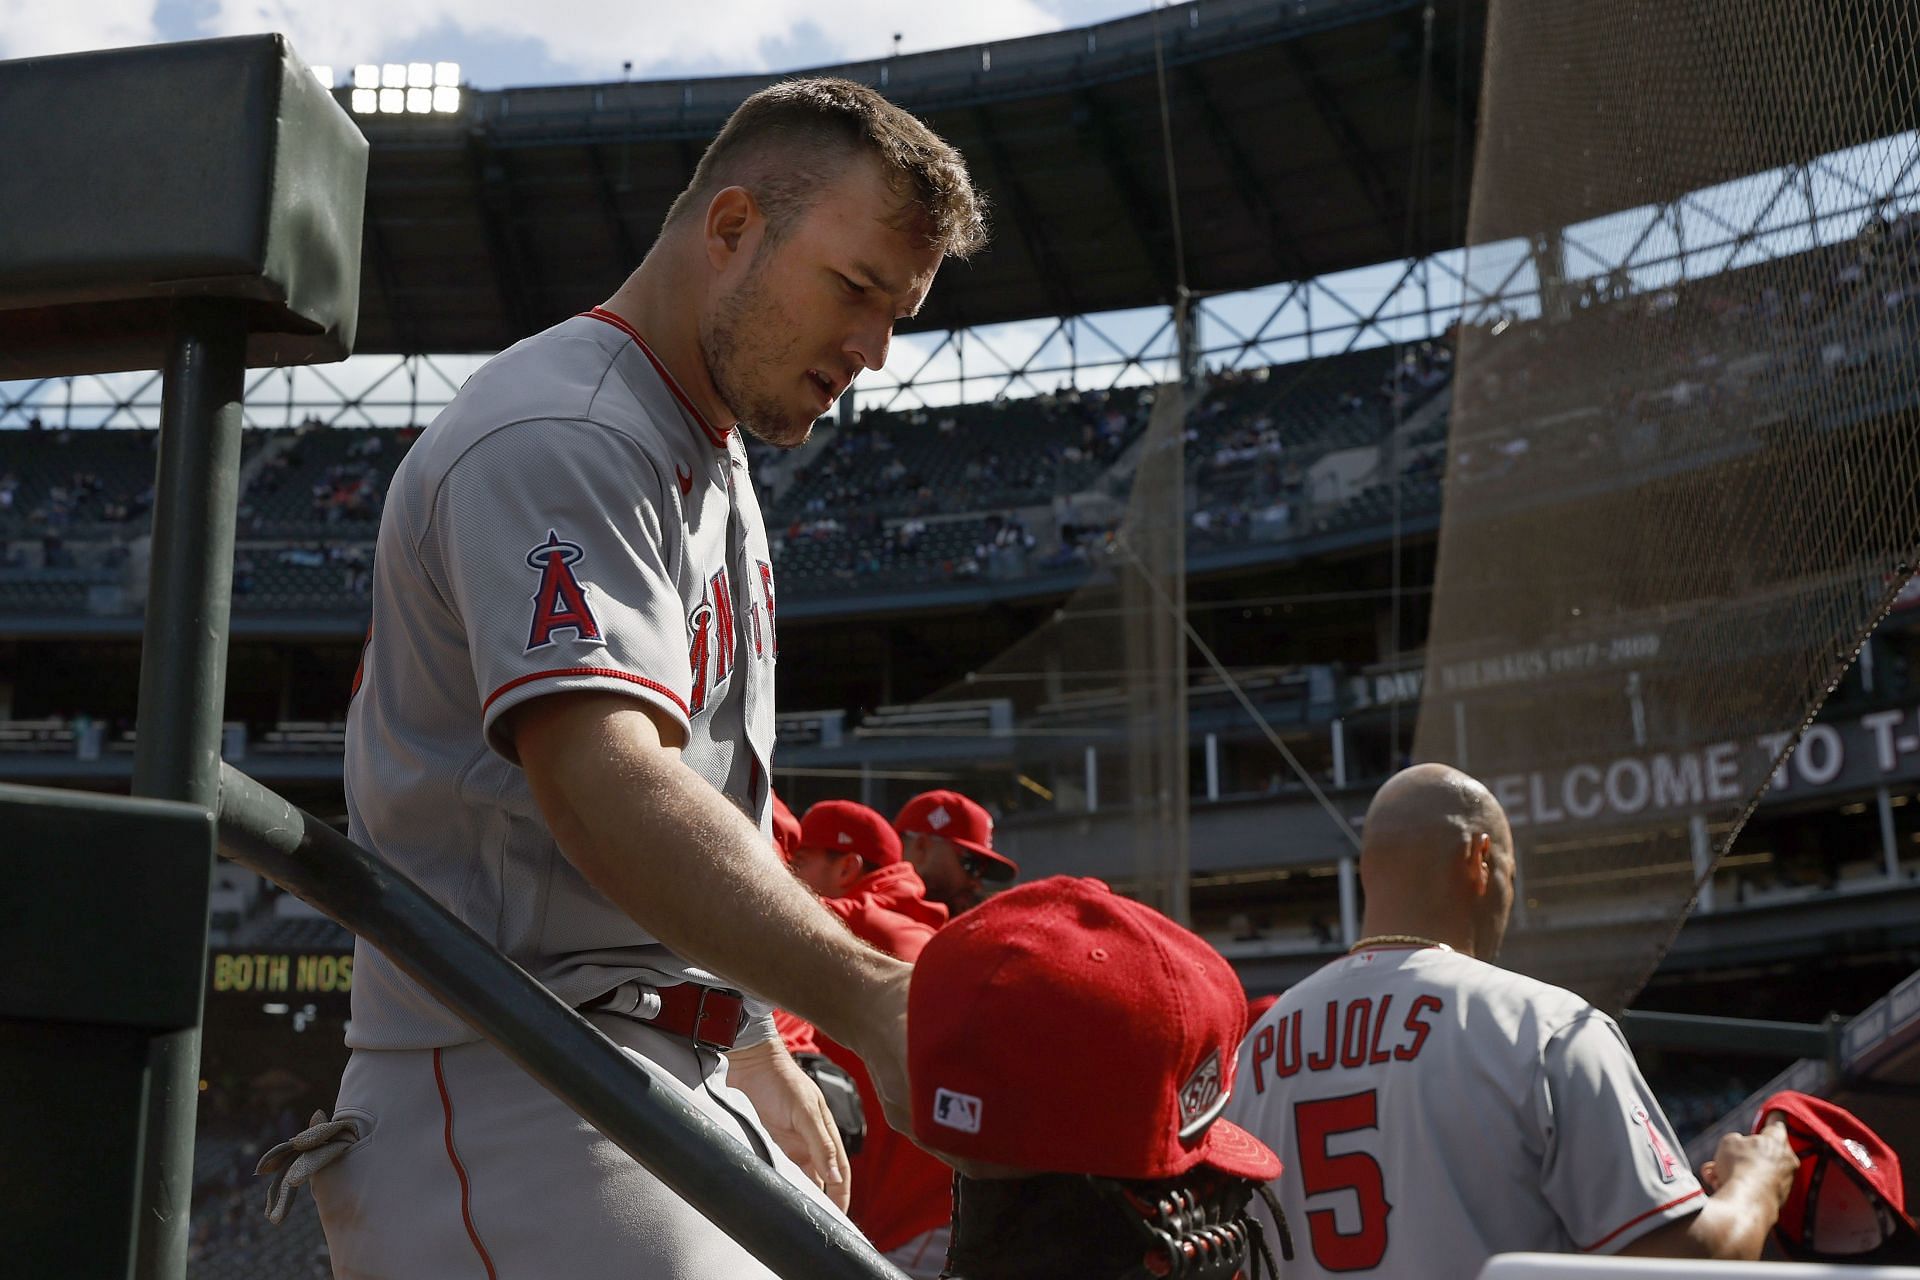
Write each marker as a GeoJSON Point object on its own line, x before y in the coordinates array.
{"type": "Point", "coordinates": [841, 826]}
{"type": "Point", "coordinates": [1061, 1028]}
{"type": "Point", "coordinates": [786, 829]}
{"type": "Point", "coordinates": [1848, 1198]}
{"type": "Point", "coordinates": [952, 816]}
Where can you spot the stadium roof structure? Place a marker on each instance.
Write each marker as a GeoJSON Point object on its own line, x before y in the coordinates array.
{"type": "Point", "coordinates": [1309, 136]}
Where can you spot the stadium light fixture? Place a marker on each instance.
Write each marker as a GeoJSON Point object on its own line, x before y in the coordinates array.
{"type": "Point", "coordinates": [324, 74]}
{"type": "Point", "coordinates": [405, 88]}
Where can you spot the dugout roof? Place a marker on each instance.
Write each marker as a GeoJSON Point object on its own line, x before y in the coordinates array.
{"type": "Point", "coordinates": [1296, 127]}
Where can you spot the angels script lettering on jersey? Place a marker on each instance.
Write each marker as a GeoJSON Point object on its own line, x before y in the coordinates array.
{"type": "Point", "coordinates": [1346, 1033]}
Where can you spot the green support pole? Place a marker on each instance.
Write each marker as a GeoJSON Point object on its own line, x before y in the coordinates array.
{"type": "Point", "coordinates": [183, 664]}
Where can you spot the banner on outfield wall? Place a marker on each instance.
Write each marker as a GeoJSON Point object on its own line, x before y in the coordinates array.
{"type": "Point", "coordinates": [1873, 749]}
{"type": "Point", "coordinates": [1520, 667]}
{"type": "Point", "coordinates": [277, 973]}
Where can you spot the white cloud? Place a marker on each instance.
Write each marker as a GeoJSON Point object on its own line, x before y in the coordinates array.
{"type": "Point", "coordinates": [36, 28]}
{"type": "Point", "coordinates": [594, 36]}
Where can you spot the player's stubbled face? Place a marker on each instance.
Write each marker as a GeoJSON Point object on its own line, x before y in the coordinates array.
{"type": "Point", "coordinates": [816, 307]}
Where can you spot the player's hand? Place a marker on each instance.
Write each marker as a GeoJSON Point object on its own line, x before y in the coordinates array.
{"type": "Point", "coordinates": [884, 1052]}
{"type": "Point", "coordinates": [882, 1046]}
{"type": "Point", "coordinates": [795, 1114]}
{"type": "Point", "coordinates": [1765, 1157]}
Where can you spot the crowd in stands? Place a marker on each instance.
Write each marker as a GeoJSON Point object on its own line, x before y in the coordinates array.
{"type": "Point", "coordinates": [957, 494]}
{"type": "Point", "coordinates": [1253, 439]}
{"type": "Point", "coordinates": [918, 496]}
{"type": "Point", "coordinates": [1625, 378]}
{"type": "Point", "coordinates": [55, 483]}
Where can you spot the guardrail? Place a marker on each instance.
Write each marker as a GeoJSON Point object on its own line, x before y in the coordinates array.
{"type": "Point", "coordinates": [619, 1095]}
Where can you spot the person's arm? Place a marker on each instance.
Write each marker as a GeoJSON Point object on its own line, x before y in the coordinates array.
{"type": "Point", "coordinates": [674, 854]}
{"type": "Point", "coordinates": [1749, 1176]}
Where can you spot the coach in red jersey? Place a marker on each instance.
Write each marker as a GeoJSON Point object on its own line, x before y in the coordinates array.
{"type": "Point", "coordinates": [949, 840]}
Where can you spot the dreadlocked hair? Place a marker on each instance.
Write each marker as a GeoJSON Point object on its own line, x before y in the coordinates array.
{"type": "Point", "coordinates": [1191, 1228]}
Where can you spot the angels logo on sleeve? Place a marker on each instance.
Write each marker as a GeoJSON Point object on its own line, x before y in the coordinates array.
{"type": "Point", "coordinates": [559, 602]}
{"type": "Point", "coordinates": [1663, 1157]}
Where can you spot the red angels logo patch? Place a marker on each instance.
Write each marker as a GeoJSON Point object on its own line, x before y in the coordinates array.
{"type": "Point", "coordinates": [559, 602]}
{"type": "Point", "coordinates": [1663, 1158]}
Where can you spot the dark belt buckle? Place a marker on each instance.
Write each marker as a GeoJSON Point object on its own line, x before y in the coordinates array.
{"type": "Point", "coordinates": [718, 1017]}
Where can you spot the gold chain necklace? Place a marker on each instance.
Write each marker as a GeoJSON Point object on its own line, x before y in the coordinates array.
{"type": "Point", "coordinates": [1396, 940]}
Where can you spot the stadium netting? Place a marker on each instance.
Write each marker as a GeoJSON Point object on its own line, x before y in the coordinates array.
{"type": "Point", "coordinates": [1684, 478]}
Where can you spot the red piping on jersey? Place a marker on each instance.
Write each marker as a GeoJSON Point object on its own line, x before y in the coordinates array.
{"type": "Point", "coordinates": [459, 1170]}
{"type": "Point", "coordinates": [609, 672]}
{"type": "Point", "coordinates": [718, 439]}
{"type": "Point", "coordinates": [1633, 1222]}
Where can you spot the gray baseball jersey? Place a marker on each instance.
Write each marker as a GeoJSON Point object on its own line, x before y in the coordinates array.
{"type": "Point", "coordinates": [1432, 1110]}
{"type": "Point", "coordinates": [568, 522]}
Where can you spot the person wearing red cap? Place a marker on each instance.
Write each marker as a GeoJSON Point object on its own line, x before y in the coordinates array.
{"type": "Point", "coordinates": [1434, 1110]}
{"type": "Point", "coordinates": [850, 856]}
{"type": "Point", "coordinates": [949, 840]}
{"type": "Point", "coordinates": [1088, 1118]}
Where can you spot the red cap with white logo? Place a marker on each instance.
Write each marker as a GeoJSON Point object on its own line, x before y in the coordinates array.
{"type": "Point", "coordinates": [953, 817]}
{"type": "Point", "coordinates": [1848, 1198]}
{"type": "Point", "coordinates": [1062, 1028]}
{"type": "Point", "coordinates": [841, 826]}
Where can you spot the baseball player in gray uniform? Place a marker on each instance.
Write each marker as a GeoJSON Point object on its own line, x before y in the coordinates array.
{"type": "Point", "coordinates": [1431, 1110]}
{"type": "Point", "coordinates": [563, 723]}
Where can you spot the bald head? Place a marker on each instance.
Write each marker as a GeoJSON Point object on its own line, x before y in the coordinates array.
{"type": "Point", "coordinates": [1436, 859]}
{"type": "Point", "coordinates": [1427, 810]}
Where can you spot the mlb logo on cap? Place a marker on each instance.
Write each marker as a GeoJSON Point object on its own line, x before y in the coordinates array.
{"type": "Point", "coordinates": [956, 1111]}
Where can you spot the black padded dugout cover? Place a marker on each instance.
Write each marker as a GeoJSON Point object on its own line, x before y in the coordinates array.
{"type": "Point", "coordinates": [133, 177]}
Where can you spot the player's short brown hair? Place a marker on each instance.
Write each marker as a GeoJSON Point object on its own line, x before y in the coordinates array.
{"type": "Point", "coordinates": [786, 142]}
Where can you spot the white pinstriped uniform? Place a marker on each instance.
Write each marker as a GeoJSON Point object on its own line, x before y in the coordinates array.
{"type": "Point", "coordinates": [1432, 1110]}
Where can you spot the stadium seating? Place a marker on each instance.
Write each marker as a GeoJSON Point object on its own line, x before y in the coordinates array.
{"type": "Point", "coordinates": [70, 482]}
{"type": "Point", "coordinates": [915, 498]}
{"type": "Point", "coordinates": [323, 482]}
{"type": "Point", "coordinates": [971, 457]}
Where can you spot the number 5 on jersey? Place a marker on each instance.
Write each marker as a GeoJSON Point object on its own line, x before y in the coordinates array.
{"type": "Point", "coordinates": [1322, 1173]}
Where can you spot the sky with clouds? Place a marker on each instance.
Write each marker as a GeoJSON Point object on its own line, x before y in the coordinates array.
{"type": "Point", "coordinates": [504, 43]}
